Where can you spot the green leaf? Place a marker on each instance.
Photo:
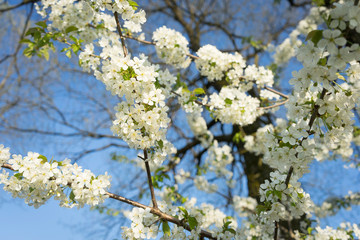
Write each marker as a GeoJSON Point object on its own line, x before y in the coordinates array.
{"type": "Point", "coordinates": [186, 214]}
{"type": "Point", "coordinates": [133, 3]}
{"type": "Point", "coordinates": [192, 98]}
{"type": "Point", "coordinates": [193, 223]}
{"type": "Point", "coordinates": [301, 195]}
{"type": "Point", "coordinates": [28, 52]}
{"type": "Point", "coordinates": [43, 158]}
{"type": "Point", "coordinates": [315, 36]}
{"type": "Point", "coordinates": [75, 48]}
{"type": "Point", "coordinates": [278, 194]}
{"type": "Point", "coordinates": [226, 225]}
{"type": "Point", "coordinates": [72, 196]}
{"type": "Point", "coordinates": [322, 62]}
{"type": "Point", "coordinates": [100, 26]}
{"type": "Point", "coordinates": [45, 53]}
{"type": "Point", "coordinates": [166, 228]}
{"type": "Point", "coordinates": [273, 67]}
{"type": "Point", "coordinates": [31, 31]}
{"type": "Point", "coordinates": [71, 29]}
{"type": "Point", "coordinates": [231, 230]}
{"type": "Point", "coordinates": [199, 91]}
{"type": "Point", "coordinates": [319, 2]}
{"type": "Point", "coordinates": [238, 137]}
{"type": "Point", "coordinates": [18, 176]}
{"type": "Point", "coordinates": [228, 101]}
{"type": "Point", "coordinates": [25, 40]}
{"type": "Point", "coordinates": [179, 83]}
{"type": "Point", "coordinates": [160, 144]}
{"type": "Point", "coordinates": [41, 24]}
{"type": "Point", "coordinates": [157, 84]}
{"type": "Point", "coordinates": [68, 54]}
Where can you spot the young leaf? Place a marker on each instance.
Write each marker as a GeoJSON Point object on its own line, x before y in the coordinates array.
{"type": "Point", "coordinates": [41, 24]}
{"type": "Point", "coordinates": [43, 158]}
{"type": "Point", "coordinates": [228, 101]}
{"type": "Point", "coordinates": [160, 144]}
{"type": "Point", "coordinates": [193, 223]}
{"type": "Point", "coordinates": [199, 91]}
{"type": "Point", "coordinates": [166, 228]}
{"type": "Point", "coordinates": [71, 29]}
{"type": "Point", "coordinates": [72, 196]}
{"type": "Point", "coordinates": [186, 214]}
{"type": "Point", "coordinates": [315, 36]}
{"type": "Point", "coordinates": [68, 54]}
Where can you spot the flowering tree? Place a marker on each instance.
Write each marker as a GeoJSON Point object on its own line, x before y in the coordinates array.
{"type": "Point", "coordinates": [238, 95]}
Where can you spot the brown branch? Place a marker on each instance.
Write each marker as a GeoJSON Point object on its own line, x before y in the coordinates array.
{"type": "Point", "coordinates": [153, 210]}
{"type": "Point", "coordinates": [276, 92]}
{"type": "Point", "coordinates": [82, 154]}
{"type": "Point", "coordinates": [8, 166]}
{"type": "Point", "coordinates": [274, 106]}
{"type": "Point", "coordinates": [18, 5]}
{"type": "Point", "coordinates": [21, 37]}
{"type": "Point", "coordinates": [276, 230]}
{"type": "Point", "coordinates": [158, 213]}
{"type": "Point", "coordinates": [148, 173]}
{"type": "Point", "coordinates": [118, 27]}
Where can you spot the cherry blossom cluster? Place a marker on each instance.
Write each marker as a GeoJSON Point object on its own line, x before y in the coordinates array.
{"type": "Point", "coordinates": [332, 206]}
{"type": "Point", "coordinates": [345, 231]}
{"type": "Point", "coordinates": [216, 65]}
{"type": "Point", "coordinates": [203, 184]}
{"type": "Point", "coordinates": [64, 14]}
{"type": "Point", "coordinates": [287, 49]}
{"type": "Point", "coordinates": [141, 120]}
{"type": "Point", "coordinates": [218, 158]}
{"type": "Point", "coordinates": [143, 225]}
{"type": "Point", "coordinates": [232, 105]}
{"type": "Point", "coordinates": [172, 47]}
{"type": "Point", "coordinates": [36, 180]}
{"type": "Point", "coordinates": [257, 143]}
{"type": "Point", "coordinates": [199, 128]}
{"type": "Point", "coordinates": [244, 206]}
{"type": "Point", "coordinates": [283, 199]}
{"type": "Point", "coordinates": [320, 110]}
{"type": "Point", "coordinates": [4, 154]}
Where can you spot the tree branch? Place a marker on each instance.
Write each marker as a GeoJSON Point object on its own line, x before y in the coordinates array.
{"type": "Point", "coordinates": [148, 173]}
{"type": "Point", "coordinates": [18, 5]}
{"type": "Point", "coordinates": [118, 27]}
{"type": "Point", "coordinates": [153, 210]}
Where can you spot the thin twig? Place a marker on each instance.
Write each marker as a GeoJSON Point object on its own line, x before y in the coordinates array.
{"type": "Point", "coordinates": [276, 92]}
{"type": "Point", "coordinates": [275, 105]}
{"type": "Point", "coordinates": [153, 210]}
{"type": "Point", "coordinates": [18, 5]}
{"type": "Point", "coordinates": [276, 230]}
{"type": "Point", "coordinates": [118, 27]}
{"type": "Point", "coordinates": [153, 43]}
{"type": "Point", "coordinates": [148, 172]}
{"type": "Point", "coordinates": [159, 213]}
{"type": "Point", "coordinates": [288, 176]}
